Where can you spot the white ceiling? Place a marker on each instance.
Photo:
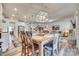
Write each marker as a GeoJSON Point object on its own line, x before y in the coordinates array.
{"type": "Point", "coordinates": [54, 10]}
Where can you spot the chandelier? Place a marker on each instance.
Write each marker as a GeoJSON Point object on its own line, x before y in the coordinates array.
{"type": "Point", "coordinates": [42, 16]}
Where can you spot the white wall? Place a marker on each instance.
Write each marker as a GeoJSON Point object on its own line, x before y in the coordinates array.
{"type": "Point", "coordinates": [0, 14]}
{"type": "Point", "coordinates": [0, 9]}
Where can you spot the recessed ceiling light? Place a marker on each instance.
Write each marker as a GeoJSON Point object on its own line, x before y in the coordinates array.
{"type": "Point", "coordinates": [25, 17]}
{"type": "Point", "coordinates": [15, 9]}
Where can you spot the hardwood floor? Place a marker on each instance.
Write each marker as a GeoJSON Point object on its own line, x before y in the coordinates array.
{"type": "Point", "coordinates": [17, 52]}
{"type": "Point", "coordinates": [12, 52]}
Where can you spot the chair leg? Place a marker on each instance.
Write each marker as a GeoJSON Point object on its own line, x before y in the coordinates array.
{"type": "Point", "coordinates": [22, 52]}
{"type": "Point", "coordinates": [27, 51]}
{"type": "Point", "coordinates": [32, 48]}
{"type": "Point", "coordinates": [55, 52]}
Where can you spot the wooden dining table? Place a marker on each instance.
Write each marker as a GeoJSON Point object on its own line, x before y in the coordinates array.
{"type": "Point", "coordinates": [41, 41]}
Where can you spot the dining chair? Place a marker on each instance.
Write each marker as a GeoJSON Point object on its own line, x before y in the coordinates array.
{"type": "Point", "coordinates": [30, 45]}
{"type": "Point", "coordinates": [56, 44]}
{"type": "Point", "coordinates": [48, 49]}
{"type": "Point", "coordinates": [52, 48]}
{"type": "Point", "coordinates": [27, 44]}
{"type": "Point", "coordinates": [23, 52]}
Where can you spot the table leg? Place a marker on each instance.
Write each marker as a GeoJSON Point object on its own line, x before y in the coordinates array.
{"type": "Point", "coordinates": [41, 49]}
